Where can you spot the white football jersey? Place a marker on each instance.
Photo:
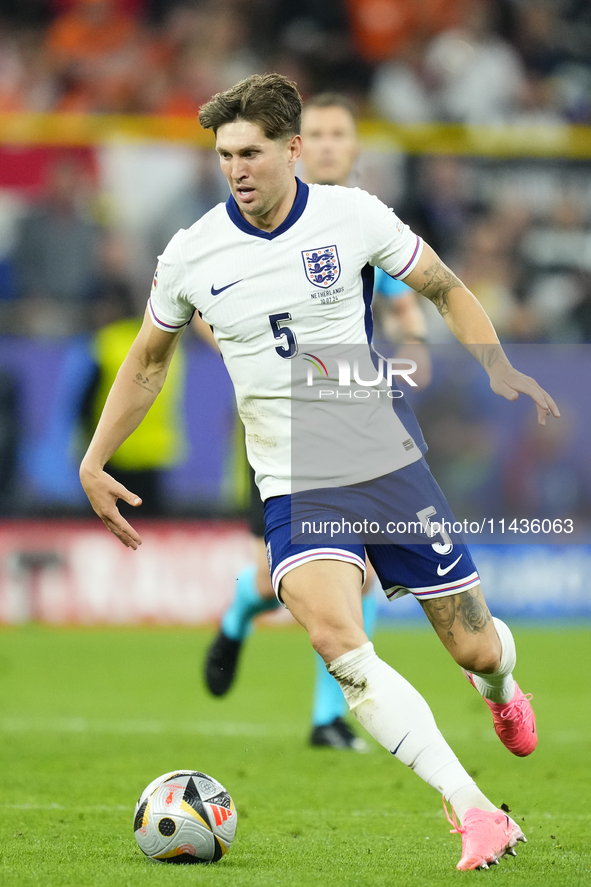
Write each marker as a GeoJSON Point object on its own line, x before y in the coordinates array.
{"type": "Point", "coordinates": [265, 293]}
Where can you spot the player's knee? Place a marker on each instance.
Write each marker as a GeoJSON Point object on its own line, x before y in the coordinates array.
{"type": "Point", "coordinates": [320, 639]}
{"type": "Point", "coordinates": [485, 659]}
{"type": "Point", "coordinates": [331, 641]}
{"type": "Point", "coordinates": [327, 640]}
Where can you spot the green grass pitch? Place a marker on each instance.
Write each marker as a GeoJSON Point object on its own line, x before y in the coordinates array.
{"type": "Point", "coordinates": [89, 716]}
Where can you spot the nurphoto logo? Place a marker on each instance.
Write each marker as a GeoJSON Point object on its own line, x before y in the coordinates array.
{"type": "Point", "coordinates": [381, 372]}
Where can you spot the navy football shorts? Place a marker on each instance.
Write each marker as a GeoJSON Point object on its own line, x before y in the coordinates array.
{"type": "Point", "coordinates": [401, 520]}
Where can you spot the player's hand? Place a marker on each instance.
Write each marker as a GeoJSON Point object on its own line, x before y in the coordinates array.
{"type": "Point", "coordinates": [510, 383]}
{"type": "Point", "coordinates": [103, 491]}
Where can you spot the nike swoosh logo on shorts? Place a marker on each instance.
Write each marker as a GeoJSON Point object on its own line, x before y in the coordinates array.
{"type": "Point", "coordinates": [215, 292]}
{"type": "Point", "coordinates": [441, 571]}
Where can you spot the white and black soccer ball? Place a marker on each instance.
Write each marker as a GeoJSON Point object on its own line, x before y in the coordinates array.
{"type": "Point", "coordinates": [185, 816]}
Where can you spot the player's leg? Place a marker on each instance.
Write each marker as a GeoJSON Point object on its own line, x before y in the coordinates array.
{"type": "Point", "coordinates": [254, 595]}
{"type": "Point", "coordinates": [325, 597]}
{"type": "Point", "coordinates": [484, 648]}
{"type": "Point", "coordinates": [439, 571]}
{"type": "Point", "coordinates": [465, 626]}
{"type": "Point", "coordinates": [329, 729]}
{"type": "Point", "coordinates": [321, 585]}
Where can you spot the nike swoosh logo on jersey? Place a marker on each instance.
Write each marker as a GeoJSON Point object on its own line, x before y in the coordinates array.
{"type": "Point", "coordinates": [215, 292]}
{"type": "Point", "coordinates": [441, 571]}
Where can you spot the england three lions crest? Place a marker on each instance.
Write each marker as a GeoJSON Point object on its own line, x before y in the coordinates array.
{"type": "Point", "coordinates": [322, 265]}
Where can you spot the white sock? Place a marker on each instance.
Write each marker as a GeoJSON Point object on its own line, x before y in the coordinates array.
{"type": "Point", "coordinates": [499, 686]}
{"type": "Point", "coordinates": [395, 714]}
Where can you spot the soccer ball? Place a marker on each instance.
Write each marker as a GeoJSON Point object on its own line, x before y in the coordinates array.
{"type": "Point", "coordinates": [185, 816]}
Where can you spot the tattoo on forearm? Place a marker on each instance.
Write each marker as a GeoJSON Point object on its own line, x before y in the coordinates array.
{"type": "Point", "coordinates": [438, 284]}
{"type": "Point", "coordinates": [489, 356]}
{"type": "Point", "coordinates": [143, 382]}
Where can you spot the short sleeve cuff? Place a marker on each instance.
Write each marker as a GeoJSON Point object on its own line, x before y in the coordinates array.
{"type": "Point", "coordinates": [165, 323]}
{"type": "Point", "coordinates": [412, 261]}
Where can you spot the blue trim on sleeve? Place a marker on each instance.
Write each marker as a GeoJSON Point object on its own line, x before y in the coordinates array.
{"type": "Point", "coordinates": [389, 286]}
{"type": "Point", "coordinates": [405, 270]}
{"type": "Point", "coordinates": [174, 327]}
{"type": "Point", "coordinates": [299, 205]}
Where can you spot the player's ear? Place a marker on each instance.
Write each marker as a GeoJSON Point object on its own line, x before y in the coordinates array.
{"type": "Point", "coordinates": [294, 148]}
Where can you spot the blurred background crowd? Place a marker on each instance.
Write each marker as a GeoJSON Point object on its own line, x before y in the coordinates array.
{"type": "Point", "coordinates": [81, 227]}
{"type": "Point", "coordinates": [412, 60]}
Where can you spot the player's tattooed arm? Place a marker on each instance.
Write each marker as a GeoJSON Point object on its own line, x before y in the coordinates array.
{"type": "Point", "coordinates": [489, 355]}
{"type": "Point", "coordinates": [470, 324]}
{"type": "Point", "coordinates": [143, 382]}
{"type": "Point", "coordinates": [460, 308]}
{"type": "Point", "coordinates": [439, 281]}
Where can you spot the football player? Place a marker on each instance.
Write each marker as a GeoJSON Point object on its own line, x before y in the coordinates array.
{"type": "Point", "coordinates": [283, 263]}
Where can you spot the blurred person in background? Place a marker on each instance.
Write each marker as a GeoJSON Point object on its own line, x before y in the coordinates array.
{"type": "Point", "coordinates": [488, 270]}
{"type": "Point", "coordinates": [478, 76]}
{"type": "Point", "coordinates": [95, 48]}
{"type": "Point", "coordinates": [401, 89]}
{"type": "Point", "coordinates": [311, 41]}
{"type": "Point", "coordinates": [555, 250]}
{"type": "Point", "coordinates": [56, 253]}
{"type": "Point", "coordinates": [382, 29]}
{"type": "Point", "coordinates": [179, 27]}
{"type": "Point", "coordinates": [393, 36]}
{"type": "Point", "coordinates": [202, 193]}
{"type": "Point", "coordinates": [554, 42]}
{"type": "Point", "coordinates": [214, 43]}
{"type": "Point", "coordinates": [27, 78]}
{"type": "Point", "coordinates": [330, 149]}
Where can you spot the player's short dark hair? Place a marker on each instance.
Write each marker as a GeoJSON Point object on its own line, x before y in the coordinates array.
{"type": "Point", "coordinates": [332, 100]}
{"type": "Point", "coordinates": [269, 100]}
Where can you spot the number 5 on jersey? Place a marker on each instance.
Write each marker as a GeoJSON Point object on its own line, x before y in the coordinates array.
{"type": "Point", "coordinates": [290, 349]}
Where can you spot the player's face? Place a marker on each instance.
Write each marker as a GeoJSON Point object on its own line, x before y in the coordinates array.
{"type": "Point", "coordinates": [330, 145]}
{"type": "Point", "coordinates": [259, 170]}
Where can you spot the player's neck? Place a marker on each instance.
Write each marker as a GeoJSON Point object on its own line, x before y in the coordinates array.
{"type": "Point", "coordinates": [277, 214]}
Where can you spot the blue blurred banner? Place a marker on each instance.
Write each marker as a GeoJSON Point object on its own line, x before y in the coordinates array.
{"type": "Point", "coordinates": [50, 378]}
{"type": "Point", "coordinates": [525, 581]}
{"type": "Point", "coordinates": [514, 481]}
